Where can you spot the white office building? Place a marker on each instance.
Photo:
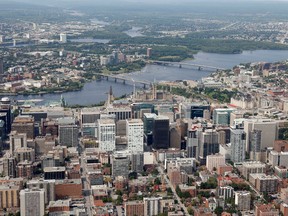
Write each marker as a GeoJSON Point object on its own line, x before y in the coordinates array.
{"type": "Point", "coordinates": [238, 141]}
{"type": "Point", "coordinates": [32, 202]}
{"type": "Point", "coordinates": [226, 192]}
{"type": "Point", "coordinates": [135, 133]}
{"type": "Point", "coordinates": [63, 38]}
{"type": "Point", "coordinates": [106, 134]}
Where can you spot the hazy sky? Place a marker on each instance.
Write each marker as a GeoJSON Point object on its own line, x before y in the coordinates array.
{"type": "Point", "coordinates": [71, 3]}
{"type": "Point", "coordinates": [134, 1]}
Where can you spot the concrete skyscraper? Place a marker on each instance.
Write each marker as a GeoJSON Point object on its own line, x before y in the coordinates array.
{"type": "Point", "coordinates": [120, 164]}
{"type": "Point", "coordinates": [106, 134]}
{"type": "Point", "coordinates": [17, 141]}
{"type": "Point", "coordinates": [5, 113]}
{"type": "Point", "coordinates": [193, 141]}
{"type": "Point", "coordinates": [269, 130]}
{"type": "Point", "coordinates": [32, 202]}
{"type": "Point", "coordinates": [238, 139]}
{"type": "Point", "coordinates": [255, 144]}
{"type": "Point", "coordinates": [68, 135]}
{"type": "Point", "coordinates": [161, 132]}
{"type": "Point", "coordinates": [1, 67]}
{"type": "Point", "coordinates": [135, 135]}
{"type": "Point", "coordinates": [208, 145]}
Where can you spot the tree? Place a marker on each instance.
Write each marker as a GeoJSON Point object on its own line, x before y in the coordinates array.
{"type": "Point", "coordinates": [218, 210]}
{"type": "Point", "coordinates": [119, 193]}
{"type": "Point", "coordinates": [155, 172]}
{"type": "Point", "coordinates": [210, 184]}
{"type": "Point", "coordinates": [133, 175]}
{"type": "Point", "coordinates": [157, 181]}
{"type": "Point", "coordinates": [119, 200]}
{"type": "Point", "coordinates": [190, 211]}
{"type": "Point", "coordinates": [163, 214]}
{"type": "Point", "coordinates": [178, 191]}
{"type": "Point", "coordinates": [169, 191]}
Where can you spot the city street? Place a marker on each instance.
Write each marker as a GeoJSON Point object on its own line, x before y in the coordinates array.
{"type": "Point", "coordinates": [160, 169]}
{"type": "Point", "coordinates": [86, 189]}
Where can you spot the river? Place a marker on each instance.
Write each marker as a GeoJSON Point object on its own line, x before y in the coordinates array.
{"type": "Point", "coordinates": [134, 32]}
{"type": "Point", "coordinates": [95, 91]}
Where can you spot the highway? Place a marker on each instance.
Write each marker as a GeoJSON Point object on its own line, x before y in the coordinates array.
{"type": "Point", "coordinates": [160, 170]}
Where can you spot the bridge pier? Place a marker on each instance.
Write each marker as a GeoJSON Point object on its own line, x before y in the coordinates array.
{"type": "Point", "coordinates": [124, 82]}
{"type": "Point", "coordinates": [115, 80]}
{"type": "Point", "coordinates": [180, 66]}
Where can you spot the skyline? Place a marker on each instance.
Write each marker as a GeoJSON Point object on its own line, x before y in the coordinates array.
{"type": "Point", "coordinates": [133, 107]}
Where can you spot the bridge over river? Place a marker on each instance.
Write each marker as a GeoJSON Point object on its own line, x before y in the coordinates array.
{"type": "Point", "coordinates": [180, 64]}
{"type": "Point", "coordinates": [124, 79]}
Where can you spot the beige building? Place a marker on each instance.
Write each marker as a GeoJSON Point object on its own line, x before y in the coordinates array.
{"type": "Point", "coordinates": [266, 210]}
{"type": "Point", "coordinates": [252, 167]}
{"type": "Point", "coordinates": [213, 161]}
{"type": "Point", "coordinates": [269, 130]}
{"type": "Point", "coordinates": [264, 183]}
{"type": "Point", "coordinates": [9, 196]}
{"type": "Point", "coordinates": [284, 194]}
{"type": "Point", "coordinates": [17, 140]}
{"type": "Point", "coordinates": [24, 124]}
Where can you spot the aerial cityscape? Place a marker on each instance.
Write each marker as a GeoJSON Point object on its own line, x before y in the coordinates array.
{"type": "Point", "coordinates": [147, 108]}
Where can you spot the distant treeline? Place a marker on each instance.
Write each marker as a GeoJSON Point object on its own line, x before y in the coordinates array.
{"type": "Point", "coordinates": [205, 45]}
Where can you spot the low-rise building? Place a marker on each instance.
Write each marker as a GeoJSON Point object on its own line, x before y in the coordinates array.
{"type": "Point", "coordinates": [266, 209]}
{"type": "Point", "coordinates": [132, 208]}
{"type": "Point", "coordinates": [68, 188]}
{"type": "Point", "coordinates": [246, 168]}
{"type": "Point", "coordinates": [264, 183]}
{"type": "Point", "coordinates": [59, 207]}
{"type": "Point", "coordinates": [213, 161]}
{"type": "Point", "coordinates": [190, 189]}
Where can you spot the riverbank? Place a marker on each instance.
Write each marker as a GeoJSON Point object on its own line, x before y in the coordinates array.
{"type": "Point", "coordinates": [96, 91]}
{"type": "Point", "coordinates": [69, 87]}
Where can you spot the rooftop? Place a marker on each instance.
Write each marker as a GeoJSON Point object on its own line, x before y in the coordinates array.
{"type": "Point", "coordinates": [106, 121]}
{"type": "Point", "coordinates": [59, 203]}
{"type": "Point", "coordinates": [54, 169]}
